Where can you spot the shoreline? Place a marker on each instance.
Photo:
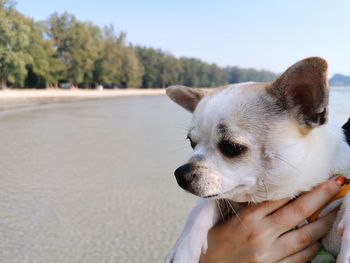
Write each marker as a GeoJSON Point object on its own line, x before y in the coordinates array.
{"type": "Point", "coordinates": [17, 98]}
{"type": "Point", "coordinates": [74, 93]}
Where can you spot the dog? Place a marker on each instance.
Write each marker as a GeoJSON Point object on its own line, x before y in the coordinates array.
{"type": "Point", "coordinates": [254, 142]}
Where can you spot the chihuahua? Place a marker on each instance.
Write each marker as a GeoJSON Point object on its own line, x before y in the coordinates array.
{"type": "Point", "coordinates": [260, 141]}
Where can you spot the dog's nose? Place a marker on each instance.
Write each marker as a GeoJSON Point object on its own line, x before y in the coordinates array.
{"type": "Point", "coordinates": [185, 175]}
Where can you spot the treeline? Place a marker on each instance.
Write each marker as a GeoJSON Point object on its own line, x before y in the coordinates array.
{"type": "Point", "coordinates": [65, 51]}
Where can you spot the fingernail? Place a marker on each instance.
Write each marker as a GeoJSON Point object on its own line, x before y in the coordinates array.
{"type": "Point", "coordinates": [340, 180]}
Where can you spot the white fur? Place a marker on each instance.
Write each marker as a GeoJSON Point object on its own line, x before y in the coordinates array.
{"type": "Point", "coordinates": [280, 162]}
{"type": "Point", "coordinates": [193, 239]}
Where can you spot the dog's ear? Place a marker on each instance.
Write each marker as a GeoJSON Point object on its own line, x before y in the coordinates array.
{"type": "Point", "coordinates": [303, 90]}
{"type": "Point", "coordinates": [186, 97]}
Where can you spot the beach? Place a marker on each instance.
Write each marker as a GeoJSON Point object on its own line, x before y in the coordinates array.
{"type": "Point", "coordinates": [15, 98]}
{"type": "Point", "coordinates": [91, 179]}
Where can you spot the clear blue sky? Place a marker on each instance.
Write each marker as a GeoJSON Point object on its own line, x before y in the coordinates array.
{"type": "Point", "coordinates": [269, 34]}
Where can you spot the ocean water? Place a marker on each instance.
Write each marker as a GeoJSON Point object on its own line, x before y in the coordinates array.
{"type": "Point", "coordinates": [93, 181]}
{"type": "Point", "coordinates": [339, 104]}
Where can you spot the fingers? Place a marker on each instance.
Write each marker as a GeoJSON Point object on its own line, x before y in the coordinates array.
{"type": "Point", "coordinates": [258, 211]}
{"type": "Point", "coordinates": [265, 208]}
{"type": "Point", "coordinates": [304, 255]}
{"type": "Point", "coordinates": [294, 241]}
{"type": "Point", "coordinates": [294, 213]}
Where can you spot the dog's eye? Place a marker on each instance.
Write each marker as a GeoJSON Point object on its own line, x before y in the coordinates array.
{"type": "Point", "coordinates": [193, 144]}
{"type": "Point", "coordinates": [231, 149]}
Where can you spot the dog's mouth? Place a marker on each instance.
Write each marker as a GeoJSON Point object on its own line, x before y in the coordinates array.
{"type": "Point", "coordinates": [239, 194]}
{"type": "Point", "coordinates": [210, 196]}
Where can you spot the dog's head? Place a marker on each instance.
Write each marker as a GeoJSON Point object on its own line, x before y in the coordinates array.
{"type": "Point", "coordinates": [246, 137]}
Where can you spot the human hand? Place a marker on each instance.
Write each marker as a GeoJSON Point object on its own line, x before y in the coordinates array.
{"type": "Point", "coordinates": [263, 232]}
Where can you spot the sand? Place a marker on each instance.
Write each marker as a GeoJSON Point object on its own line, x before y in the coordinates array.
{"type": "Point", "coordinates": [92, 181]}
{"type": "Point", "coordinates": [10, 98]}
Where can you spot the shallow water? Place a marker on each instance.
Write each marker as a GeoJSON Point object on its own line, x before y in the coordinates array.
{"type": "Point", "coordinates": [93, 181]}
{"type": "Point", "coordinates": [339, 101]}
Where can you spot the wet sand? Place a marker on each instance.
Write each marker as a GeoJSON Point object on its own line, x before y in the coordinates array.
{"type": "Point", "coordinates": [92, 181]}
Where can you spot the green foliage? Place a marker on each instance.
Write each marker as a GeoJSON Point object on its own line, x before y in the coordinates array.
{"type": "Point", "coordinates": [162, 69]}
{"type": "Point", "coordinates": [44, 69]}
{"type": "Point", "coordinates": [14, 40]}
{"type": "Point", "coordinates": [118, 62]}
{"type": "Point", "coordinates": [63, 49]}
{"type": "Point", "coordinates": [132, 70]}
{"type": "Point", "coordinates": [78, 46]}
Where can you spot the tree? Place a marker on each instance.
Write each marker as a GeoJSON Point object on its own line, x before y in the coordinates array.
{"type": "Point", "coordinates": [190, 72]}
{"type": "Point", "coordinates": [78, 46]}
{"type": "Point", "coordinates": [168, 69]}
{"type": "Point", "coordinates": [149, 58]}
{"type": "Point", "coordinates": [64, 49]}
{"type": "Point", "coordinates": [14, 39]}
{"type": "Point", "coordinates": [108, 66]}
{"type": "Point", "coordinates": [160, 69]}
{"type": "Point", "coordinates": [118, 62]}
{"type": "Point", "coordinates": [45, 69]}
{"type": "Point", "coordinates": [132, 69]}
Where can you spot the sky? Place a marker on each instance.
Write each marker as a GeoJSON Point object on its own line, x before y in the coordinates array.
{"type": "Point", "coordinates": [264, 34]}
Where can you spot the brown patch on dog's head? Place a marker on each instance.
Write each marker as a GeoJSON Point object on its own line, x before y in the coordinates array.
{"type": "Point", "coordinates": [303, 90]}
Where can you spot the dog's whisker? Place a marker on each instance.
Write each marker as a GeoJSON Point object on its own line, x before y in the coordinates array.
{"type": "Point", "coordinates": [253, 198]}
{"type": "Point", "coordinates": [226, 206]}
{"type": "Point", "coordinates": [218, 204]}
{"type": "Point", "coordinates": [236, 214]}
{"type": "Point", "coordinates": [265, 188]}
{"type": "Point", "coordinates": [267, 191]}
